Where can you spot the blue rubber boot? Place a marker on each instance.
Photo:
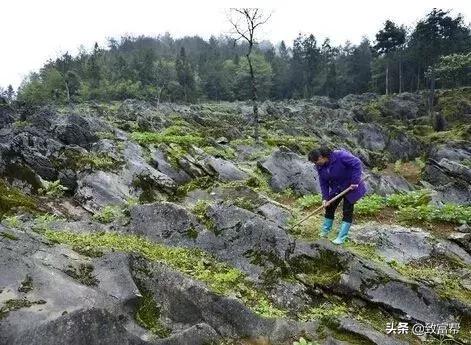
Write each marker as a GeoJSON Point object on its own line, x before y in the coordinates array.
{"type": "Point", "coordinates": [343, 233]}
{"type": "Point", "coordinates": [326, 227]}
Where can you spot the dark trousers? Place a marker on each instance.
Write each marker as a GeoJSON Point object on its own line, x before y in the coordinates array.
{"type": "Point", "coordinates": [347, 210]}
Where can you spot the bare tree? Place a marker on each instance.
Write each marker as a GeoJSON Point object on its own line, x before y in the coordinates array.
{"type": "Point", "coordinates": [244, 22]}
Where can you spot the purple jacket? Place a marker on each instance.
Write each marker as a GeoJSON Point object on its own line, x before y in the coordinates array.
{"type": "Point", "coordinates": [342, 170]}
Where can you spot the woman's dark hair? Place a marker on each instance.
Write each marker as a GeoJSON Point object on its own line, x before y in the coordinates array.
{"type": "Point", "coordinates": [323, 151]}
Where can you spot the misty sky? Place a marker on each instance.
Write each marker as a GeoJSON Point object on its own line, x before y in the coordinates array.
{"type": "Point", "coordinates": [33, 31]}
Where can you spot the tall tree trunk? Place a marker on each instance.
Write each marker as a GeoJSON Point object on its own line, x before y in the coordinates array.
{"type": "Point", "coordinates": [432, 93]}
{"type": "Point", "coordinates": [387, 78]}
{"type": "Point", "coordinates": [67, 92]}
{"type": "Point", "coordinates": [418, 78]}
{"type": "Point", "coordinates": [254, 99]}
{"type": "Point", "coordinates": [400, 75]}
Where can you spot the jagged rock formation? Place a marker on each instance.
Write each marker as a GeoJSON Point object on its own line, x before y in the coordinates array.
{"type": "Point", "coordinates": [176, 227]}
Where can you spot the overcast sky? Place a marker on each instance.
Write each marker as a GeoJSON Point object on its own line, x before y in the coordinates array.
{"type": "Point", "coordinates": [33, 31]}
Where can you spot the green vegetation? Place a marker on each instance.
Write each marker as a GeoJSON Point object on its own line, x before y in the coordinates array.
{"type": "Point", "coordinates": [97, 161]}
{"type": "Point", "coordinates": [16, 304]}
{"type": "Point", "coordinates": [453, 104]}
{"type": "Point", "coordinates": [326, 312]}
{"type": "Point", "coordinates": [43, 222]}
{"type": "Point", "coordinates": [167, 69]}
{"type": "Point", "coordinates": [203, 182]}
{"type": "Point", "coordinates": [450, 213]}
{"type": "Point", "coordinates": [219, 277]}
{"type": "Point", "coordinates": [109, 214]}
{"type": "Point", "coordinates": [414, 207]}
{"type": "Point", "coordinates": [83, 273]}
{"type": "Point", "coordinates": [21, 124]}
{"type": "Point", "coordinates": [145, 138]}
{"type": "Point", "coordinates": [245, 203]}
{"type": "Point", "coordinates": [308, 201]}
{"type": "Point", "coordinates": [412, 199]}
{"type": "Point", "coordinates": [370, 205]}
{"type": "Point", "coordinates": [303, 341]}
{"type": "Point", "coordinates": [147, 315]}
{"type": "Point", "coordinates": [9, 236]}
{"type": "Point", "coordinates": [53, 189]}
{"type": "Point", "coordinates": [12, 198]}
{"type": "Point", "coordinates": [174, 153]}
{"type": "Point", "coordinates": [297, 143]}
{"type": "Point", "coordinates": [226, 152]}
{"type": "Point", "coordinates": [78, 160]}
{"type": "Point", "coordinates": [323, 270]}
{"type": "Point", "coordinates": [200, 210]}
{"type": "Point", "coordinates": [12, 222]}
{"type": "Point", "coordinates": [442, 276]}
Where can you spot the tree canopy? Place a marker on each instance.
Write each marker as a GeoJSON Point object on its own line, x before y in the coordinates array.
{"type": "Point", "coordinates": [192, 69]}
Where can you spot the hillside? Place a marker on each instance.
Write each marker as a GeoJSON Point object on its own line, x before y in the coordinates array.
{"type": "Point", "coordinates": [137, 223]}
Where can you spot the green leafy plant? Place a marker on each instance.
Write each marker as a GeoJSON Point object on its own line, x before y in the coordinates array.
{"type": "Point", "coordinates": [12, 221]}
{"type": "Point", "coordinates": [370, 205]}
{"type": "Point", "coordinates": [109, 213]}
{"type": "Point", "coordinates": [307, 201]}
{"type": "Point", "coordinates": [303, 341]}
{"type": "Point", "coordinates": [53, 189]}
{"type": "Point", "coordinates": [451, 213]}
{"type": "Point", "coordinates": [414, 199]}
{"type": "Point", "coordinates": [397, 166]}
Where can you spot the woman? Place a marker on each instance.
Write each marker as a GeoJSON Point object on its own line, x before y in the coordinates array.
{"type": "Point", "coordinates": [338, 170]}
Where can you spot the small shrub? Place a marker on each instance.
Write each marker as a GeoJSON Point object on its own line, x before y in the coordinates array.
{"type": "Point", "coordinates": [303, 341]}
{"type": "Point", "coordinates": [415, 198]}
{"type": "Point", "coordinates": [99, 161]}
{"type": "Point", "coordinates": [398, 166]}
{"type": "Point", "coordinates": [370, 205]}
{"type": "Point", "coordinates": [451, 213]}
{"type": "Point", "coordinates": [159, 138]}
{"type": "Point", "coordinates": [83, 274]}
{"type": "Point", "coordinates": [53, 189]}
{"type": "Point", "coordinates": [308, 201]}
{"type": "Point", "coordinates": [108, 214]}
{"type": "Point", "coordinates": [12, 222]}
{"type": "Point", "coordinates": [200, 211]}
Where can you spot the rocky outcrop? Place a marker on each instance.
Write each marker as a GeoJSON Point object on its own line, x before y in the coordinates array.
{"type": "Point", "coordinates": [226, 170]}
{"type": "Point", "coordinates": [289, 170]}
{"type": "Point", "coordinates": [450, 179]}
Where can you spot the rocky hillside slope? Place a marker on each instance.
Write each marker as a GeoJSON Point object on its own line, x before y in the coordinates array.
{"type": "Point", "coordinates": [133, 223]}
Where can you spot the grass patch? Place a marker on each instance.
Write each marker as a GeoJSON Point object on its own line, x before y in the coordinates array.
{"type": "Point", "coordinates": [300, 144]}
{"type": "Point", "coordinates": [325, 312]}
{"type": "Point", "coordinates": [109, 214]}
{"type": "Point", "coordinates": [203, 182]}
{"type": "Point", "coordinates": [53, 189]}
{"type": "Point", "coordinates": [83, 273]}
{"type": "Point", "coordinates": [439, 275]}
{"type": "Point", "coordinates": [227, 153]}
{"type": "Point", "coordinates": [323, 270]}
{"type": "Point", "coordinates": [12, 222]}
{"type": "Point", "coordinates": [9, 236]}
{"type": "Point", "coordinates": [13, 199]}
{"type": "Point", "coordinates": [98, 161]}
{"type": "Point", "coordinates": [308, 201]}
{"type": "Point", "coordinates": [147, 315]}
{"type": "Point", "coordinates": [16, 304]}
{"type": "Point", "coordinates": [145, 138]}
{"type": "Point", "coordinates": [449, 213]}
{"type": "Point", "coordinates": [370, 205]}
{"type": "Point", "coordinates": [200, 210]}
{"type": "Point", "coordinates": [219, 277]}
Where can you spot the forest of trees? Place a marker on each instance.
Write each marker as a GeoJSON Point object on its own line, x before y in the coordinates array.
{"type": "Point", "coordinates": [191, 69]}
